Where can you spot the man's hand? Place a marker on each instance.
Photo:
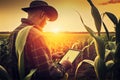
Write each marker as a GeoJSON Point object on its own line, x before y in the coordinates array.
{"type": "Point", "coordinates": [58, 55]}
{"type": "Point", "coordinates": [66, 64]}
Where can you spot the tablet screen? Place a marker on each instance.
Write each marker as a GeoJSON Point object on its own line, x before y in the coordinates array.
{"type": "Point", "coordinates": [71, 55]}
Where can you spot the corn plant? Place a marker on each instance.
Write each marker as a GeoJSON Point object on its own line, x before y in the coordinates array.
{"type": "Point", "coordinates": [3, 52]}
{"type": "Point", "coordinates": [100, 64]}
{"type": "Point", "coordinates": [20, 42]}
{"type": "Point", "coordinates": [116, 54]}
{"type": "Point", "coordinates": [4, 59]}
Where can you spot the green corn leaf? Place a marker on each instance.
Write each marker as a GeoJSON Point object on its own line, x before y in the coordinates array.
{"type": "Point", "coordinates": [112, 17]}
{"type": "Point", "coordinates": [113, 38]}
{"type": "Point", "coordinates": [86, 61]}
{"type": "Point", "coordinates": [106, 30]}
{"type": "Point", "coordinates": [111, 45]}
{"type": "Point", "coordinates": [100, 68]}
{"type": "Point", "coordinates": [28, 77]}
{"type": "Point", "coordinates": [21, 66]}
{"type": "Point", "coordinates": [99, 43]}
{"type": "Point", "coordinates": [86, 27]}
{"type": "Point", "coordinates": [96, 16]}
{"type": "Point", "coordinates": [19, 44]}
{"type": "Point", "coordinates": [110, 49]}
{"type": "Point", "coordinates": [99, 47]}
{"type": "Point", "coordinates": [4, 74]}
{"type": "Point", "coordinates": [109, 64]}
{"type": "Point", "coordinates": [109, 52]}
{"type": "Point", "coordinates": [91, 32]}
{"type": "Point", "coordinates": [117, 29]}
{"type": "Point", "coordinates": [86, 47]}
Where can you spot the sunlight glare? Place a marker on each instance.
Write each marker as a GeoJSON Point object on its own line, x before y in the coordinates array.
{"type": "Point", "coordinates": [55, 30]}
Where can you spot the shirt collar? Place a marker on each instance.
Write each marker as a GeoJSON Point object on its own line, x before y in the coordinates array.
{"type": "Point", "coordinates": [29, 22]}
{"type": "Point", "coordinates": [26, 21]}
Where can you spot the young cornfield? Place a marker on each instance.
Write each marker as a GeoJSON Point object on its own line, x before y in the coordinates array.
{"type": "Point", "coordinates": [99, 52]}
{"type": "Point", "coordinates": [61, 42]}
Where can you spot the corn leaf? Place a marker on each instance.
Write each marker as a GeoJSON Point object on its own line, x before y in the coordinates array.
{"type": "Point", "coordinates": [100, 68]}
{"type": "Point", "coordinates": [99, 47]}
{"type": "Point", "coordinates": [90, 31]}
{"type": "Point", "coordinates": [112, 17]}
{"type": "Point", "coordinates": [99, 43]}
{"type": "Point", "coordinates": [4, 74]}
{"type": "Point", "coordinates": [109, 52]}
{"type": "Point", "coordinates": [113, 38]}
{"type": "Point", "coordinates": [111, 45]}
{"type": "Point", "coordinates": [28, 77]}
{"type": "Point", "coordinates": [96, 16]}
{"type": "Point", "coordinates": [86, 27]}
{"type": "Point", "coordinates": [19, 44]}
{"type": "Point", "coordinates": [86, 47]}
{"type": "Point", "coordinates": [109, 64]}
{"type": "Point", "coordinates": [106, 30]}
{"type": "Point", "coordinates": [117, 29]}
{"type": "Point", "coordinates": [86, 61]}
{"type": "Point", "coordinates": [21, 65]}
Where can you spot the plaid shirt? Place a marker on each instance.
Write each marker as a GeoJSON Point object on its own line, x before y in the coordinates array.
{"type": "Point", "coordinates": [36, 54]}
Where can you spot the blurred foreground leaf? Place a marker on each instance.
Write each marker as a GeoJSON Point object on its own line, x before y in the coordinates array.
{"type": "Point", "coordinates": [19, 44]}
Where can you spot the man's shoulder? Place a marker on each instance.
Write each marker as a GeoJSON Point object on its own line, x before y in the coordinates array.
{"type": "Point", "coordinates": [35, 32]}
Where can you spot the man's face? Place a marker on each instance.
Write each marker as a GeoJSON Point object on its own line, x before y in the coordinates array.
{"type": "Point", "coordinates": [43, 21]}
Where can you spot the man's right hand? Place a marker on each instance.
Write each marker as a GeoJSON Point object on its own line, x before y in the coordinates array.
{"type": "Point", "coordinates": [66, 64]}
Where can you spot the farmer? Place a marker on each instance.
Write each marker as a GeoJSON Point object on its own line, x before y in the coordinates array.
{"type": "Point", "coordinates": [36, 51]}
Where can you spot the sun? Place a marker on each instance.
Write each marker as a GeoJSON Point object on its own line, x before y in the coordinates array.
{"type": "Point", "coordinates": [55, 30]}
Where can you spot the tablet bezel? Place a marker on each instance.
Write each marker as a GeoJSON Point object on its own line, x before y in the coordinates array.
{"type": "Point", "coordinates": [62, 59]}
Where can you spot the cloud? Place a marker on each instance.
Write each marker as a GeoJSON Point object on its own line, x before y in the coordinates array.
{"type": "Point", "coordinates": [110, 2]}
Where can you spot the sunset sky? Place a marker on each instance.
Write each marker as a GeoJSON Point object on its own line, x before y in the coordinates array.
{"type": "Point", "coordinates": [68, 20]}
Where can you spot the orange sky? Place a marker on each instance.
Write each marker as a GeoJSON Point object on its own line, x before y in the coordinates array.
{"type": "Point", "coordinates": [68, 20]}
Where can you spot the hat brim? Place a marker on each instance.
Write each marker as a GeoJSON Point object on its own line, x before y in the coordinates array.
{"type": "Point", "coordinates": [49, 10]}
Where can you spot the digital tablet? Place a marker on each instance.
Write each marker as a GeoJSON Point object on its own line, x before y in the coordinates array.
{"type": "Point", "coordinates": [70, 55]}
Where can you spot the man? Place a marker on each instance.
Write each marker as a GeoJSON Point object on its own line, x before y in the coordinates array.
{"type": "Point", "coordinates": [36, 51]}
